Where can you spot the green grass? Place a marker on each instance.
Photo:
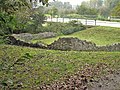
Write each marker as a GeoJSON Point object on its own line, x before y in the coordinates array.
{"type": "Point", "coordinates": [98, 35]}
{"type": "Point", "coordinates": [44, 66]}
{"type": "Point", "coordinates": [1, 40]}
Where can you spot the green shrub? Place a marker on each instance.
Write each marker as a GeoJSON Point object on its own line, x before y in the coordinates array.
{"type": "Point", "coordinates": [75, 23]}
{"type": "Point", "coordinates": [74, 16]}
{"type": "Point", "coordinates": [72, 30]}
{"type": "Point", "coordinates": [102, 18]}
{"type": "Point", "coordinates": [64, 28]}
{"type": "Point", "coordinates": [56, 27]}
{"type": "Point", "coordinates": [3, 40]}
{"type": "Point", "coordinates": [73, 26]}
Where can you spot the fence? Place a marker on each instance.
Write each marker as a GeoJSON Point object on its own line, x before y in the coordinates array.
{"type": "Point", "coordinates": [88, 20]}
{"type": "Point", "coordinates": [66, 20]}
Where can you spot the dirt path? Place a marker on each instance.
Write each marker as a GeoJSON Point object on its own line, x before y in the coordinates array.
{"type": "Point", "coordinates": [108, 82]}
{"type": "Point", "coordinates": [88, 78]}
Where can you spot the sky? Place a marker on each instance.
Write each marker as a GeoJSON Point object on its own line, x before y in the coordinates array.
{"type": "Point", "coordinates": [73, 2]}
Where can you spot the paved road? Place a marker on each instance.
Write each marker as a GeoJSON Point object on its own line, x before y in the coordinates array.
{"type": "Point", "coordinates": [89, 22]}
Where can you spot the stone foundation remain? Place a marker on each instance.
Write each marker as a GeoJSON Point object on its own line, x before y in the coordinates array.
{"type": "Point", "coordinates": [66, 44]}
{"type": "Point", "coordinates": [81, 45]}
{"type": "Point", "coordinates": [13, 41]}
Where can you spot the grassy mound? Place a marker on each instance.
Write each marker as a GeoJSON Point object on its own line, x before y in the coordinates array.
{"type": "Point", "coordinates": [22, 67]}
{"type": "Point", "coordinates": [98, 35]}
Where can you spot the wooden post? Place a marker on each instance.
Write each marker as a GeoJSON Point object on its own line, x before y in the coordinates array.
{"type": "Point", "coordinates": [95, 22]}
{"type": "Point", "coordinates": [77, 19]}
{"type": "Point", "coordinates": [63, 19]}
{"type": "Point", "coordinates": [57, 19]}
{"type": "Point", "coordinates": [51, 18]}
{"type": "Point", "coordinates": [69, 19]}
{"type": "Point", "coordinates": [86, 21]}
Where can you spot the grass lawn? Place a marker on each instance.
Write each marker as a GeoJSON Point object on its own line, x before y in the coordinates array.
{"type": "Point", "coordinates": [32, 67]}
{"type": "Point", "coordinates": [98, 35]}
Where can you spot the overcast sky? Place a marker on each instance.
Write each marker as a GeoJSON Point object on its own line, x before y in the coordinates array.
{"type": "Point", "coordinates": [73, 2]}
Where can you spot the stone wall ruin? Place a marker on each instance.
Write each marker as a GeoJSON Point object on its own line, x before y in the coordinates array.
{"type": "Point", "coordinates": [13, 41]}
{"type": "Point", "coordinates": [28, 36]}
{"type": "Point", "coordinates": [72, 44]}
{"type": "Point", "coordinates": [81, 45]}
{"type": "Point", "coordinates": [67, 44]}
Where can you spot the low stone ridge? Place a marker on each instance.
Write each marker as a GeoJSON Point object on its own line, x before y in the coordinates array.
{"type": "Point", "coordinates": [23, 36]}
{"type": "Point", "coordinates": [113, 47]}
{"type": "Point", "coordinates": [13, 41]}
{"type": "Point", "coordinates": [72, 44]}
{"type": "Point", "coordinates": [81, 45]}
{"type": "Point", "coordinates": [28, 36]}
{"type": "Point", "coordinates": [66, 44]}
{"type": "Point", "coordinates": [45, 35]}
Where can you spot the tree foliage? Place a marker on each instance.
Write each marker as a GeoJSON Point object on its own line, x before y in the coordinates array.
{"type": "Point", "coordinates": [52, 11]}
{"type": "Point", "coordinates": [116, 10]}
{"type": "Point", "coordinates": [14, 14]}
{"type": "Point", "coordinates": [104, 8]}
{"type": "Point", "coordinates": [110, 4]}
{"type": "Point", "coordinates": [96, 3]}
{"type": "Point", "coordinates": [62, 8]}
{"type": "Point", "coordinates": [10, 6]}
{"type": "Point", "coordinates": [83, 10]}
